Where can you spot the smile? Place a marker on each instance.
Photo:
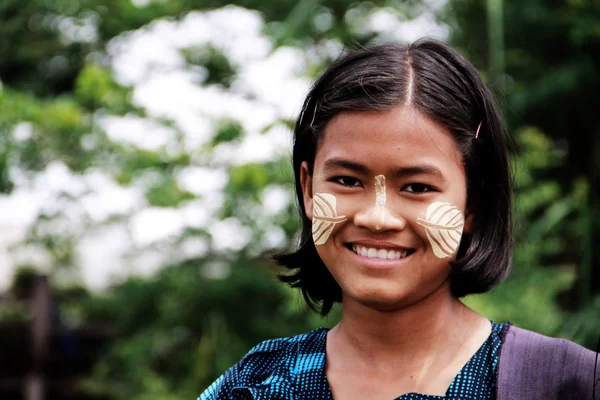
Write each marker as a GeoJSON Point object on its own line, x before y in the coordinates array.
{"type": "Point", "coordinates": [381, 254]}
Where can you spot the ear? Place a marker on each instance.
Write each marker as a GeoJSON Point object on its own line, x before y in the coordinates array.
{"type": "Point", "coordinates": [307, 192]}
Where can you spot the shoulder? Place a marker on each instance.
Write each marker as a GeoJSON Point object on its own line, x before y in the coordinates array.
{"type": "Point", "coordinates": [532, 365]}
{"type": "Point", "coordinates": [524, 345]}
{"type": "Point", "coordinates": [271, 360]}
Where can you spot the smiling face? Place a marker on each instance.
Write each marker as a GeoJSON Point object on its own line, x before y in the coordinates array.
{"type": "Point", "coordinates": [385, 170]}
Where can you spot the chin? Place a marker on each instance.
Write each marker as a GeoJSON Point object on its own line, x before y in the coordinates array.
{"type": "Point", "coordinates": [385, 298]}
{"type": "Point", "coordinates": [393, 297]}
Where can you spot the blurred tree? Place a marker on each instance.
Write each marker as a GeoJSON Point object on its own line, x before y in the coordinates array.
{"type": "Point", "coordinates": [548, 225]}
{"type": "Point", "coordinates": [45, 44]}
{"type": "Point", "coordinates": [181, 329]}
{"type": "Point", "coordinates": [552, 59]}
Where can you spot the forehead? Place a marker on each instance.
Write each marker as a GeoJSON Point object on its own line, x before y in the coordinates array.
{"type": "Point", "coordinates": [400, 136]}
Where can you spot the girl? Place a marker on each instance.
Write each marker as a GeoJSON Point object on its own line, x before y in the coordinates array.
{"type": "Point", "coordinates": [404, 191]}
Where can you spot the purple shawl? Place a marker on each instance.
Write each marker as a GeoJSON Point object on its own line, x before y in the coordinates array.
{"type": "Point", "coordinates": [534, 366]}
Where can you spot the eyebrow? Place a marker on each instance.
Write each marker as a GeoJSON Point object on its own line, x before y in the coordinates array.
{"type": "Point", "coordinates": [351, 165]}
{"type": "Point", "coordinates": [401, 172]}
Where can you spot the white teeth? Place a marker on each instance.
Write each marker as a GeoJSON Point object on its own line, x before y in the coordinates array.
{"type": "Point", "coordinates": [379, 253]}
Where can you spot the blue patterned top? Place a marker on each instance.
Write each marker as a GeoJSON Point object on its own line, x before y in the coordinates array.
{"type": "Point", "coordinates": [294, 368]}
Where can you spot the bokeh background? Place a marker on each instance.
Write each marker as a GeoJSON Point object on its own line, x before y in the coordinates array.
{"type": "Point", "coordinates": [144, 171]}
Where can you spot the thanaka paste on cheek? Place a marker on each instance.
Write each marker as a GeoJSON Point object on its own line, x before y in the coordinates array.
{"type": "Point", "coordinates": [324, 217]}
{"type": "Point", "coordinates": [380, 199]}
{"type": "Point", "coordinates": [444, 225]}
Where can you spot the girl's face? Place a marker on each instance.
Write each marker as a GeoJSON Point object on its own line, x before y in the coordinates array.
{"type": "Point", "coordinates": [387, 199]}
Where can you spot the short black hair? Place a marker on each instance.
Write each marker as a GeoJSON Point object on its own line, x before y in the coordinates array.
{"type": "Point", "coordinates": [438, 81]}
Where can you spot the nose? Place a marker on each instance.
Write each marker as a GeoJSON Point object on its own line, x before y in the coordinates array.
{"type": "Point", "coordinates": [379, 219]}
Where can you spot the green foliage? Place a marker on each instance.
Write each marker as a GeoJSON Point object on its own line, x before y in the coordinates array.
{"type": "Point", "coordinates": [166, 193]}
{"type": "Point", "coordinates": [181, 329]}
{"type": "Point", "coordinates": [57, 128]}
{"type": "Point", "coordinates": [33, 55]}
{"type": "Point", "coordinates": [551, 70]}
{"type": "Point", "coordinates": [248, 179]}
{"type": "Point", "coordinates": [218, 68]}
{"type": "Point", "coordinates": [245, 187]}
{"type": "Point", "coordinates": [551, 81]}
{"type": "Point", "coordinates": [228, 131]}
{"type": "Point", "coordinates": [95, 88]}
{"type": "Point", "coordinates": [546, 222]}
{"type": "Point", "coordinates": [133, 162]}
{"type": "Point", "coordinates": [6, 185]}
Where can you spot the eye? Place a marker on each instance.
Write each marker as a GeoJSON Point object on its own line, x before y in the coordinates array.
{"type": "Point", "coordinates": [347, 181]}
{"type": "Point", "coordinates": [418, 188]}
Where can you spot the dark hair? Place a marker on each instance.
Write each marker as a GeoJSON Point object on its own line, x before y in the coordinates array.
{"type": "Point", "coordinates": [439, 82]}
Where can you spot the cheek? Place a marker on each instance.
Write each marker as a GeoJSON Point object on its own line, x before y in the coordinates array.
{"type": "Point", "coordinates": [443, 225]}
{"type": "Point", "coordinates": [325, 217]}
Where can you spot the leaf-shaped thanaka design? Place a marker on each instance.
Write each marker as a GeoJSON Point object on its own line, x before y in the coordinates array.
{"type": "Point", "coordinates": [444, 226]}
{"type": "Point", "coordinates": [324, 217]}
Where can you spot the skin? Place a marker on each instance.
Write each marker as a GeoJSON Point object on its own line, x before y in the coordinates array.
{"type": "Point", "coordinates": [401, 330]}
{"type": "Point", "coordinates": [380, 200]}
{"type": "Point", "coordinates": [444, 226]}
{"type": "Point", "coordinates": [325, 217]}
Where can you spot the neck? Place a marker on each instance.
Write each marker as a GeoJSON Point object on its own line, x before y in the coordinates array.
{"type": "Point", "coordinates": [418, 334]}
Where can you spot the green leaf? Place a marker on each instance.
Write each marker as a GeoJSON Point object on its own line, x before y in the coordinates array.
{"type": "Point", "coordinates": [228, 131]}
{"type": "Point", "coordinates": [167, 194]}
